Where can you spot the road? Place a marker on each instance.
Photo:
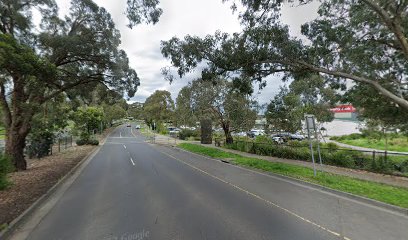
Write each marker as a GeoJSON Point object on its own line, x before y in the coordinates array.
{"type": "Point", "coordinates": [134, 190]}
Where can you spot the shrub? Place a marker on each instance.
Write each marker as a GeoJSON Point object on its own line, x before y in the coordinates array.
{"type": "Point", "coordinates": [81, 142]}
{"type": "Point", "coordinates": [5, 168]}
{"type": "Point", "coordinates": [330, 156]}
{"type": "Point", "coordinates": [93, 142]}
{"type": "Point", "coordinates": [332, 146]}
{"type": "Point", "coordinates": [39, 143]}
{"type": "Point", "coordinates": [187, 133]}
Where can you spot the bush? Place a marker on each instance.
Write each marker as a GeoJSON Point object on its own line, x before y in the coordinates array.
{"type": "Point", "coordinates": [332, 146]}
{"type": "Point", "coordinates": [81, 142]}
{"type": "Point", "coordinates": [187, 133]}
{"type": "Point", "coordinates": [331, 155]}
{"type": "Point", "coordinates": [39, 143]}
{"type": "Point", "coordinates": [93, 142]}
{"type": "Point", "coordinates": [5, 168]}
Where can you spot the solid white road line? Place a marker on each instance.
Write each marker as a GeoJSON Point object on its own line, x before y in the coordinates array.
{"type": "Point", "coordinates": [257, 197]}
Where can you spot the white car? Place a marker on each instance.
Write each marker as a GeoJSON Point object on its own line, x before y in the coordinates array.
{"type": "Point", "coordinates": [239, 134]}
{"type": "Point", "coordinates": [137, 127]}
{"type": "Point", "coordinates": [278, 140]}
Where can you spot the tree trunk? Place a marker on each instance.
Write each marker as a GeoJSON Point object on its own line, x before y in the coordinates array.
{"type": "Point", "coordinates": [227, 132]}
{"type": "Point", "coordinates": [15, 144]}
{"type": "Point", "coordinates": [206, 131]}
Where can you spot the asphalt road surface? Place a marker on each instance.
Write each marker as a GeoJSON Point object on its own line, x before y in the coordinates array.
{"type": "Point", "coordinates": [132, 190]}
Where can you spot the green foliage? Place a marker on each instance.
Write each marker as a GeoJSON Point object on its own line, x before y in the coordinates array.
{"type": "Point", "coordinates": [184, 114]}
{"type": "Point", "coordinates": [72, 55]}
{"type": "Point", "coordinates": [362, 41]}
{"type": "Point", "coordinates": [139, 11]}
{"type": "Point", "coordinates": [113, 112]}
{"type": "Point", "coordinates": [87, 119]}
{"type": "Point", "coordinates": [40, 143]}
{"type": "Point", "coordinates": [376, 140]}
{"type": "Point", "coordinates": [331, 155]}
{"type": "Point", "coordinates": [226, 107]}
{"type": "Point", "coordinates": [393, 195]}
{"type": "Point", "coordinates": [188, 133]}
{"type": "Point", "coordinates": [81, 142]}
{"type": "Point", "coordinates": [93, 142]}
{"type": "Point", "coordinates": [135, 110]}
{"type": "Point", "coordinates": [5, 168]}
{"type": "Point", "coordinates": [159, 107]}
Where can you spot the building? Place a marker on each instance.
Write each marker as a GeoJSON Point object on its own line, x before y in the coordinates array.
{"type": "Point", "coordinates": [345, 112]}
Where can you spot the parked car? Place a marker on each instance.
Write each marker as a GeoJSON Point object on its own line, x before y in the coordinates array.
{"type": "Point", "coordinates": [174, 130]}
{"type": "Point", "coordinates": [128, 125]}
{"type": "Point", "coordinates": [297, 136]}
{"type": "Point", "coordinates": [285, 136]}
{"type": "Point", "coordinates": [255, 132]}
{"type": "Point", "coordinates": [289, 136]}
{"type": "Point", "coordinates": [278, 140]}
{"type": "Point", "coordinates": [137, 127]}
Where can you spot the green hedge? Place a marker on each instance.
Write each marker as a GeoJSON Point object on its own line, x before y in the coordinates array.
{"type": "Point", "coordinates": [5, 168]}
{"type": "Point", "coordinates": [331, 155]}
{"type": "Point", "coordinates": [81, 142]}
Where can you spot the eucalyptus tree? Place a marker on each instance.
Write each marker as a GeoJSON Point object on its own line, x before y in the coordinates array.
{"type": "Point", "coordinates": [184, 114]}
{"type": "Point", "coordinates": [232, 109]}
{"type": "Point", "coordinates": [158, 108]}
{"type": "Point", "coordinates": [37, 65]}
{"type": "Point", "coordinates": [363, 41]}
{"type": "Point", "coordinates": [303, 96]}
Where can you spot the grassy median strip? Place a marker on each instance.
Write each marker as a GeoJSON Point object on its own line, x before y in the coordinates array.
{"type": "Point", "coordinates": [397, 196]}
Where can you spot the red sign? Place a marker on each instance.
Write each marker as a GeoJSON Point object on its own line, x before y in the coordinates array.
{"type": "Point", "coordinates": [343, 109]}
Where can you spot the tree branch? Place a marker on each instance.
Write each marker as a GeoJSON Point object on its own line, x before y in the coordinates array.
{"type": "Point", "coordinates": [400, 101]}
{"type": "Point", "coordinates": [392, 23]}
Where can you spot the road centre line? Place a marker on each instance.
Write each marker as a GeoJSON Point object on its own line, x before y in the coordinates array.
{"type": "Point", "coordinates": [124, 146]}
{"type": "Point", "coordinates": [132, 161]}
{"type": "Point", "coordinates": [257, 196]}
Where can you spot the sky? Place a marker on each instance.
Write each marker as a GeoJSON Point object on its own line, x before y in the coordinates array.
{"type": "Point", "coordinates": [182, 17]}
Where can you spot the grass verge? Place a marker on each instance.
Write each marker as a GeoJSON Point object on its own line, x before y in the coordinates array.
{"type": "Point", "coordinates": [397, 196]}
{"type": "Point", "coordinates": [395, 144]}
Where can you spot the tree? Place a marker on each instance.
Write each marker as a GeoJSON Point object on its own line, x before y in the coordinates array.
{"type": "Point", "coordinates": [87, 119]}
{"type": "Point", "coordinates": [305, 95]}
{"type": "Point", "coordinates": [220, 102]}
{"type": "Point", "coordinates": [362, 41]}
{"type": "Point", "coordinates": [113, 112]}
{"type": "Point", "coordinates": [285, 112]}
{"type": "Point", "coordinates": [135, 110]}
{"type": "Point", "coordinates": [159, 107]}
{"type": "Point", "coordinates": [376, 109]}
{"type": "Point", "coordinates": [184, 114]}
{"type": "Point", "coordinates": [77, 52]}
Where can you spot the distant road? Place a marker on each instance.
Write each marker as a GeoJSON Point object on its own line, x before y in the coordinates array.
{"type": "Point", "coordinates": [134, 190]}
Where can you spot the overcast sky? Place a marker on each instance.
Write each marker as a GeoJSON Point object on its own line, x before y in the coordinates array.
{"type": "Point", "coordinates": [182, 17]}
